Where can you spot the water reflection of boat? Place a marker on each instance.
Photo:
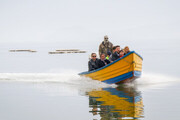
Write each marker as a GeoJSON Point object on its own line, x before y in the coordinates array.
{"type": "Point", "coordinates": [124, 69]}
{"type": "Point", "coordinates": [116, 103]}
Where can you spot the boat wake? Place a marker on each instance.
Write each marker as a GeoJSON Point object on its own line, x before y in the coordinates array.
{"type": "Point", "coordinates": [73, 79]}
{"type": "Point", "coordinates": [154, 81]}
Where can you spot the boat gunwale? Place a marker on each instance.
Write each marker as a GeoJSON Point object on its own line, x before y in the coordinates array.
{"type": "Point", "coordinates": [88, 72]}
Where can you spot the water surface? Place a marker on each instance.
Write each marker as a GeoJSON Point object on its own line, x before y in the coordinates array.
{"type": "Point", "coordinates": [43, 86]}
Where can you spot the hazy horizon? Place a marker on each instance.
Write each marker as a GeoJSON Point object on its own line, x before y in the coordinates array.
{"type": "Point", "coordinates": [88, 21]}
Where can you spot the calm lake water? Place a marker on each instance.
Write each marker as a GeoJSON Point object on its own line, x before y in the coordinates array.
{"type": "Point", "coordinates": [40, 86]}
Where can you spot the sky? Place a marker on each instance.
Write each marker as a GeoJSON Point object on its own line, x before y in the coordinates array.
{"type": "Point", "coordinates": [87, 21]}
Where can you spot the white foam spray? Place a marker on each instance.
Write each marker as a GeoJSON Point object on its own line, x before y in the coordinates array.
{"type": "Point", "coordinates": [66, 78]}
{"type": "Point", "coordinates": [147, 81]}
{"type": "Point", "coordinates": [154, 81]}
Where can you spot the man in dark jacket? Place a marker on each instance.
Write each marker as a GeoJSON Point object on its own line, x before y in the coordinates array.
{"type": "Point", "coordinates": [116, 55]}
{"type": "Point", "coordinates": [102, 61]}
{"type": "Point", "coordinates": [110, 58]}
{"type": "Point", "coordinates": [93, 63]}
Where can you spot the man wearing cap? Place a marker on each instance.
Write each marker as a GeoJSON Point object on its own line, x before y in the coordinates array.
{"type": "Point", "coordinates": [105, 46]}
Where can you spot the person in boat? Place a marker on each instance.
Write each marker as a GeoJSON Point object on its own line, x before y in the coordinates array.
{"type": "Point", "coordinates": [116, 55]}
{"type": "Point", "coordinates": [93, 63]}
{"type": "Point", "coordinates": [102, 61]}
{"type": "Point", "coordinates": [106, 46]}
{"type": "Point", "coordinates": [121, 53]}
{"type": "Point", "coordinates": [108, 55]}
{"type": "Point", "coordinates": [126, 50]}
{"type": "Point", "coordinates": [110, 58]}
